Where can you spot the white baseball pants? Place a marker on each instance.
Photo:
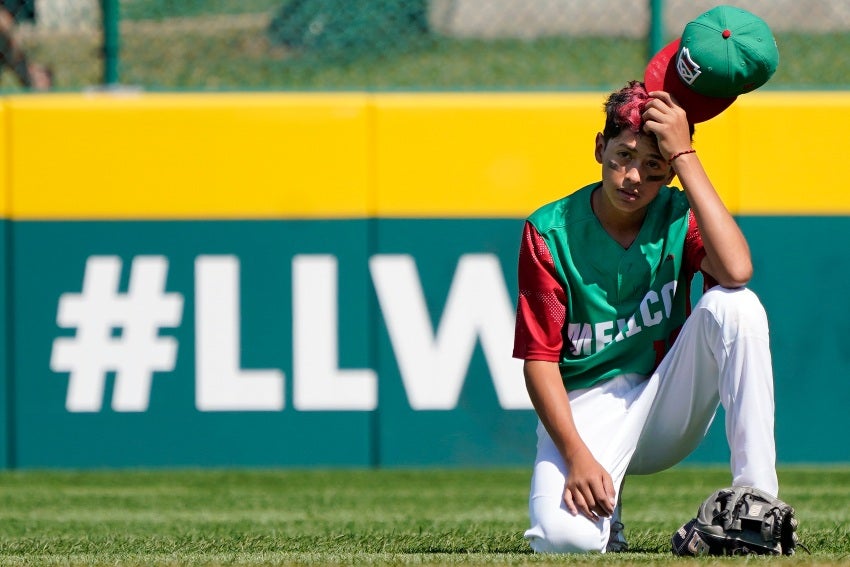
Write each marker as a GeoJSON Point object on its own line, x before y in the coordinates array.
{"type": "Point", "coordinates": [634, 425]}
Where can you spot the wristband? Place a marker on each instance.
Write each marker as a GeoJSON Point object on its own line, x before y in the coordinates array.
{"type": "Point", "coordinates": [674, 156]}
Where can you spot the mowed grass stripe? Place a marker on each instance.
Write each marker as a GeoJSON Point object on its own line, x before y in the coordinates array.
{"type": "Point", "coordinates": [370, 517]}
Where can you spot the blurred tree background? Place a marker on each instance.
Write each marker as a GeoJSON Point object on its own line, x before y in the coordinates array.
{"type": "Point", "coordinates": [404, 44]}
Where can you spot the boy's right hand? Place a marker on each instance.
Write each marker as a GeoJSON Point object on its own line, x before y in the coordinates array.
{"type": "Point", "coordinates": [589, 490]}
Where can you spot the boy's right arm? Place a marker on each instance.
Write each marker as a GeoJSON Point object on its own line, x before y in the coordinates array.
{"type": "Point", "coordinates": [589, 489]}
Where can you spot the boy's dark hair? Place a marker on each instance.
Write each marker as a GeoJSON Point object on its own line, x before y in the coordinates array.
{"type": "Point", "coordinates": [624, 110]}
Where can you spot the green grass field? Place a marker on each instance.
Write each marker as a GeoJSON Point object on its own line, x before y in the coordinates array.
{"type": "Point", "coordinates": [363, 517]}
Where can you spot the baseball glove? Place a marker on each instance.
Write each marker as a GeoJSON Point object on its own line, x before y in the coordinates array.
{"type": "Point", "coordinates": [739, 521]}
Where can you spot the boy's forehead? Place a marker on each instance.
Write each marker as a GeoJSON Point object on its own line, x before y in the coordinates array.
{"type": "Point", "coordinates": [646, 143]}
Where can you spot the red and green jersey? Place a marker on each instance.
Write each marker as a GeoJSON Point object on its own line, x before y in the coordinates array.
{"type": "Point", "coordinates": [597, 309]}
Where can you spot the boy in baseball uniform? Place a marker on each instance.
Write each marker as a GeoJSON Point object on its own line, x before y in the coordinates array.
{"type": "Point", "coordinates": [625, 376]}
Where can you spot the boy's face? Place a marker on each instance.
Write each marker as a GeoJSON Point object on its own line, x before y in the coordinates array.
{"type": "Point", "coordinates": [633, 170]}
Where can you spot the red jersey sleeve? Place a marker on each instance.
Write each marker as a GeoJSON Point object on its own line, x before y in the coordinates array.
{"type": "Point", "coordinates": [541, 305]}
{"type": "Point", "coordinates": [694, 252]}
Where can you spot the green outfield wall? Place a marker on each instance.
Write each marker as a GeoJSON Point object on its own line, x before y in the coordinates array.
{"type": "Point", "coordinates": [329, 279]}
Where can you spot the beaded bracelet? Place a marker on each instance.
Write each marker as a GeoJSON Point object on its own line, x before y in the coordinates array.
{"type": "Point", "coordinates": [674, 156]}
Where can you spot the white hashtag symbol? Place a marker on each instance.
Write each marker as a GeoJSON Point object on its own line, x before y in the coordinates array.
{"type": "Point", "coordinates": [116, 332]}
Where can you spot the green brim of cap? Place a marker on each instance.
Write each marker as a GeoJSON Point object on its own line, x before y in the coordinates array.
{"type": "Point", "coordinates": [661, 75]}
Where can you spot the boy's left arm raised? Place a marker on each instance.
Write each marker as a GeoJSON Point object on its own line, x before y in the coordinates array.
{"type": "Point", "coordinates": [727, 256]}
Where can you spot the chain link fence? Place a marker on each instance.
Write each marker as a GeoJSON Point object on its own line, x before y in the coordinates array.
{"type": "Point", "coordinates": [397, 44]}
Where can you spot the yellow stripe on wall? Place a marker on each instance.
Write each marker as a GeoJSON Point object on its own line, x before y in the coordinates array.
{"type": "Point", "coordinates": [189, 156]}
{"type": "Point", "coordinates": [775, 152]}
{"type": "Point", "coordinates": [5, 195]}
{"type": "Point", "coordinates": [499, 155]}
{"type": "Point", "coordinates": [472, 155]}
{"type": "Point", "coordinates": [791, 151]}
{"type": "Point", "coordinates": [352, 155]}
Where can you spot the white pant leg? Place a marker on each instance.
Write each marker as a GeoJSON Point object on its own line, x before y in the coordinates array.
{"type": "Point", "coordinates": [609, 418]}
{"type": "Point", "coordinates": [722, 355]}
{"type": "Point", "coordinates": [645, 426]}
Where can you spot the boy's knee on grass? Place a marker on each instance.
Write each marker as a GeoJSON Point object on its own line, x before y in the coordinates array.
{"type": "Point", "coordinates": [560, 532]}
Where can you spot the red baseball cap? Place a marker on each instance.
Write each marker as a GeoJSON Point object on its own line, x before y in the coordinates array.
{"type": "Point", "coordinates": [723, 53]}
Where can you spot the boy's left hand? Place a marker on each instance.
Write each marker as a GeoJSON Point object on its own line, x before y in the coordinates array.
{"type": "Point", "coordinates": [668, 121]}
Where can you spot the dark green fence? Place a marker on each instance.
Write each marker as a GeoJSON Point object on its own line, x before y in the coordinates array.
{"type": "Point", "coordinates": [400, 44]}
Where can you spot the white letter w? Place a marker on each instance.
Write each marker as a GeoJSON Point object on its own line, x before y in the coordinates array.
{"type": "Point", "coordinates": [433, 366]}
